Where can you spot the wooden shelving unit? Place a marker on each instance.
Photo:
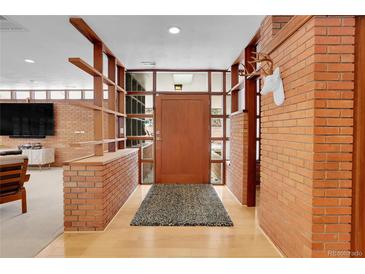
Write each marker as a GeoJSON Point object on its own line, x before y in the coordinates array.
{"type": "Point", "coordinates": [115, 135]}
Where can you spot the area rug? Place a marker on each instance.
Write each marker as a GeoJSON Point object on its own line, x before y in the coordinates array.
{"type": "Point", "coordinates": [182, 205]}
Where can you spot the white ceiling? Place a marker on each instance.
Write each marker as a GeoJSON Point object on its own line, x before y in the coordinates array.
{"type": "Point", "coordinates": [204, 42]}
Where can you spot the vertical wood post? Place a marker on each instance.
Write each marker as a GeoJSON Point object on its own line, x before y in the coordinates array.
{"type": "Point", "coordinates": [358, 174]}
{"type": "Point", "coordinates": [250, 101]}
{"type": "Point", "coordinates": [98, 99]}
{"type": "Point", "coordinates": [112, 98]}
{"type": "Point", "coordinates": [234, 81]}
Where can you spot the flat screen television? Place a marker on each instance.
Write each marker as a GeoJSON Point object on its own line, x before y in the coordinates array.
{"type": "Point", "coordinates": [26, 120]}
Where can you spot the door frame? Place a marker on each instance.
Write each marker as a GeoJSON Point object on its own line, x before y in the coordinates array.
{"type": "Point", "coordinates": [224, 92]}
{"type": "Point", "coordinates": [186, 95]}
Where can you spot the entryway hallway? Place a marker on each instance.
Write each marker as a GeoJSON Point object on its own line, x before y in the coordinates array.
{"type": "Point", "coordinates": [119, 239]}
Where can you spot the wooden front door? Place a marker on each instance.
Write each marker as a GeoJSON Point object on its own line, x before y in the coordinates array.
{"type": "Point", "coordinates": [182, 139]}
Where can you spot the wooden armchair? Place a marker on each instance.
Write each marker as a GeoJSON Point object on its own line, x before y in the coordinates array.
{"type": "Point", "coordinates": [13, 175]}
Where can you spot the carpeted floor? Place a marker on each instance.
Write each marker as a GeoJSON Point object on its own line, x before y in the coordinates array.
{"type": "Point", "coordinates": [24, 235]}
{"type": "Point", "coordinates": [182, 205]}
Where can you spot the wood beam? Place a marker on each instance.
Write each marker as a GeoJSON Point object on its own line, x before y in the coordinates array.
{"type": "Point", "coordinates": [78, 62]}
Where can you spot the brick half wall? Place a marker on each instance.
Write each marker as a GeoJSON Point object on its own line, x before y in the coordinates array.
{"type": "Point", "coordinates": [237, 169]}
{"type": "Point", "coordinates": [93, 193]}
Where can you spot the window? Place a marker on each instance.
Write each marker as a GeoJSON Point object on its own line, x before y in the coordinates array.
{"type": "Point", "coordinates": [147, 173]}
{"type": "Point", "coordinates": [58, 95]}
{"type": "Point", "coordinates": [217, 105]}
{"type": "Point", "coordinates": [105, 94]}
{"type": "Point", "coordinates": [217, 127]}
{"type": "Point", "coordinates": [74, 95]}
{"type": "Point", "coordinates": [189, 81]}
{"type": "Point", "coordinates": [139, 81]}
{"type": "Point", "coordinates": [5, 95]}
{"type": "Point", "coordinates": [40, 95]}
{"type": "Point", "coordinates": [217, 81]}
{"type": "Point", "coordinates": [22, 95]}
{"type": "Point", "coordinates": [216, 150]}
{"type": "Point", "coordinates": [216, 172]}
{"type": "Point", "coordinates": [88, 95]}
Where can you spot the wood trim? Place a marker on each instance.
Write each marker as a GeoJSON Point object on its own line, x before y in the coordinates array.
{"type": "Point", "coordinates": [147, 161]}
{"type": "Point", "coordinates": [217, 161]}
{"type": "Point", "coordinates": [78, 62]}
{"type": "Point", "coordinates": [176, 70]}
{"type": "Point", "coordinates": [237, 87]}
{"type": "Point", "coordinates": [99, 142]}
{"type": "Point", "coordinates": [95, 107]}
{"type": "Point", "coordinates": [234, 82]}
{"type": "Point", "coordinates": [140, 165]}
{"type": "Point", "coordinates": [358, 186]}
{"type": "Point", "coordinates": [224, 127]}
{"type": "Point", "coordinates": [251, 97]}
{"type": "Point", "coordinates": [116, 92]}
{"type": "Point", "coordinates": [140, 138]}
{"type": "Point", "coordinates": [140, 116]}
{"type": "Point", "coordinates": [87, 31]}
{"type": "Point", "coordinates": [288, 30]}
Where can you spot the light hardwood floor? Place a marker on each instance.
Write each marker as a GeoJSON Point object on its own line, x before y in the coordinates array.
{"type": "Point", "coordinates": [244, 239]}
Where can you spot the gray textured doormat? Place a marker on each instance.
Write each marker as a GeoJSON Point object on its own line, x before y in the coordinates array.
{"type": "Point", "coordinates": [182, 205]}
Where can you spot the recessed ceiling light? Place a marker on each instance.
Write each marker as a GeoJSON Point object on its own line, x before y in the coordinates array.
{"type": "Point", "coordinates": [29, 61]}
{"type": "Point", "coordinates": [174, 30]}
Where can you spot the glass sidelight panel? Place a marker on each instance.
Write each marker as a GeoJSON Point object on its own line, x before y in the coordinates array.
{"type": "Point", "coordinates": [228, 81]}
{"type": "Point", "coordinates": [22, 95]}
{"type": "Point", "coordinates": [217, 127]}
{"type": "Point", "coordinates": [147, 150]}
{"type": "Point", "coordinates": [216, 173]}
{"type": "Point", "coordinates": [228, 104]}
{"type": "Point", "coordinates": [5, 95]}
{"type": "Point", "coordinates": [40, 95]}
{"type": "Point", "coordinates": [228, 150]}
{"type": "Point", "coordinates": [139, 81]}
{"type": "Point", "coordinates": [217, 81]}
{"type": "Point", "coordinates": [228, 127]}
{"type": "Point", "coordinates": [216, 104]}
{"type": "Point", "coordinates": [216, 150]}
{"type": "Point", "coordinates": [139, 104]}
{"type": "Point", "coordinates": [182, 81]}
{"type": "Point", "coordinates": [139, 127]}
{"type": "Point", "coordinates": [147, 173]}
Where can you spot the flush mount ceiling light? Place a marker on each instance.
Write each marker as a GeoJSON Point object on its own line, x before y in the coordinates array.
{"type": "Point", "coordinates": [148, 63]}
{"type": "Point", "coordinates": [174, 30]}
{"type": "Point", "coordinates": [29, 61]}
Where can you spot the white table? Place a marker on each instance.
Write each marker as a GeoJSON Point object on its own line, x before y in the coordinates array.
{"type": "Point", "coordinates": [40, 157]}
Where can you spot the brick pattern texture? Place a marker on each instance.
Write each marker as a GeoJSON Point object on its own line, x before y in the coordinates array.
{"type": "Point", "coordinates": [93, 194]}
{"type": "Point", "coordinates": [237, 170]}
{"type": "Point", "coordinates": [68, 119]}
{"type": "Point", "coordinates": [306, 144]}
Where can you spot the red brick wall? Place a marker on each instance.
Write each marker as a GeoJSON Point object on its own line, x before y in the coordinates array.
{"type": "Point", "coordinates": [68, 120]}
{"type": "Point", "coordinates": [306, 143]}
{"type": "Point", "coordinates": [93, 194]}
{"type": "Point", "coordinates": [333, 134]}
{"type": "Point", "coordinates": [237, 170]}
